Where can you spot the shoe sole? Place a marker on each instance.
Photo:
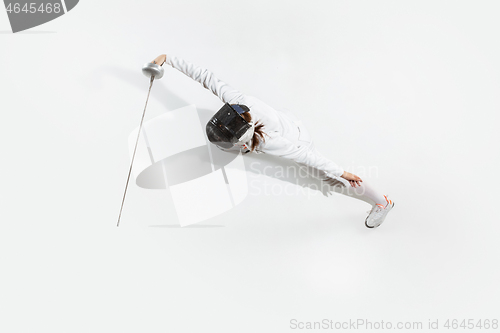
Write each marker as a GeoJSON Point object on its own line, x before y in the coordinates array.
{"type": "Point", "coordinates": [380, 223]}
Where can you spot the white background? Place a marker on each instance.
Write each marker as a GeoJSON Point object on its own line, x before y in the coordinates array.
{"type": "Point", "coordinates": [409, 87]}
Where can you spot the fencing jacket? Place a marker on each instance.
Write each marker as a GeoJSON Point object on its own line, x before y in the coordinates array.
{"type": "Point", "coordinates": [286, 137]}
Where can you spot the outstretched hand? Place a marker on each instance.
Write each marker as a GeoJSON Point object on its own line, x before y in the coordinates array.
{"type": "Point", "coordinates": [160, 59]}
{"type": "Point", "coordinates": [353, 179]}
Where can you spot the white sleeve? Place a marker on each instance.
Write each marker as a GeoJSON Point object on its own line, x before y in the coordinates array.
{"type": "Point", "coordinates": [282, 147]}
{"type": "Point", "coordinates": [222, 90]}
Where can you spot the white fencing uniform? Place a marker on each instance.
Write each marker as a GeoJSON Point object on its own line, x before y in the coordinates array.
{"type": "Point", "coordinates": [286, 136]}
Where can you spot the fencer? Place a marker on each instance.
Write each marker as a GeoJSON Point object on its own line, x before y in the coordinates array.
{"type": "Point", "coordinates": [246, 123]}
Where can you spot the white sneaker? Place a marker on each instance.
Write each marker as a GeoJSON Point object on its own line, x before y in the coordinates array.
{"type": "Point", "coordinates": [378, 214]}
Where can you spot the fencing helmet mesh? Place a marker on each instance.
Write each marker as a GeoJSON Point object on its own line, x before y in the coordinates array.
{"type": "Point", "coordinates": [228, 128]}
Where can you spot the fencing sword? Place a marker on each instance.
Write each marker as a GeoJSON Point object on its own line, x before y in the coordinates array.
{"type": "Point", "coordinates": [154, 71]}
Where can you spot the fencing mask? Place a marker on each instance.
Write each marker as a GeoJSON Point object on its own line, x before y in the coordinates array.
{"type": "Point", "coordinates": [227, 128]}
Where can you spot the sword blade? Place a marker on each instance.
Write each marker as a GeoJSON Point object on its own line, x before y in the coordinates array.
{"type": "Point", "coordinates": [135, 148]}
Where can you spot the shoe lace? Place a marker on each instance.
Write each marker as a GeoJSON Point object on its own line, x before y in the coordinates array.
{"type": "Point", "coordinates": [376, 212]}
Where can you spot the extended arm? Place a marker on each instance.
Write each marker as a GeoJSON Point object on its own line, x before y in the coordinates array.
{"type": "Point", "coordinates": [206, 78]}
{"type": "Point", "coordinates": [324, 168]}
{"type": "Point", "coordinates": [280, 146]}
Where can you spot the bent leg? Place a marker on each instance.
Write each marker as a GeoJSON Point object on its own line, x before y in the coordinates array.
{"type": "Point", "coordinates": [364, 192]}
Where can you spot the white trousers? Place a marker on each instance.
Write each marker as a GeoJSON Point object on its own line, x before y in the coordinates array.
{"type": "Point", "coordinates": [364, 192]}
